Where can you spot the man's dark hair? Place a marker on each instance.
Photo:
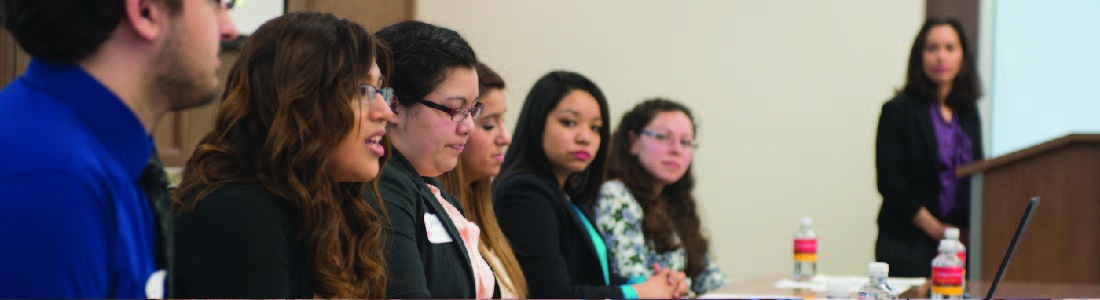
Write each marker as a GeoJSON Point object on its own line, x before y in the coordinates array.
{"type": "Point", "coordinates": [65, 31]}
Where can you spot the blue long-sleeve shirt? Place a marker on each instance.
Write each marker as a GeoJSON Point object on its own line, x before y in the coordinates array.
{"type": "Point", "coordinates": [73, 221]}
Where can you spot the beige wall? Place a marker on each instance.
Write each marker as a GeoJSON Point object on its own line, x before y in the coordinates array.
{"type": "Point", "coordinates": [787, 94]}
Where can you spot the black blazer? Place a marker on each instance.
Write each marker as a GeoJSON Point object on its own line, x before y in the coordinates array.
{"type": "Point", "coordinates": [551, 243]}
{"type": "Point", "coordinates": [416, 267]}
{"type": "Point", "coordinates": [241, 242]}
{"type": "Point", "coordinates": [907, 164]}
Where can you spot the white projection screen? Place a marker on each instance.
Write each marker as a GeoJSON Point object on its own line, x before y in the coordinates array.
{"type": "Point", "coordinates": [1045, 72]}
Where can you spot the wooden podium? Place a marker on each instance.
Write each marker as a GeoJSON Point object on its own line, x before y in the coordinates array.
{"type": "Point", "coordinates": [1062, 242]}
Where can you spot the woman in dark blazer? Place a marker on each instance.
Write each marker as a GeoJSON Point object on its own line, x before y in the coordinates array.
{"type": "Point", "coordinates": [543, 196]}
{"type": "Point", "coordinates": [431, 249]}
{"type": "Point", "coordinates": [265, 216]}
{"type": "Point", "coordinates": [927, 131]}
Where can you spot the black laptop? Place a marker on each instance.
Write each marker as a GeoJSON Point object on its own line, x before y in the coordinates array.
{"type": "Point", "coordinates": [1031, 205]}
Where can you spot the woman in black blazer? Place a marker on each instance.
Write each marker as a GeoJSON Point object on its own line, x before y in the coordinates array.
{"type": "Point", "coordinates": [265, 216]}
{"type": "Point", "coordinates": [930, 128]}
{"type": "Point", "coordinates": [431, 249]}
{"type": "Point", "coordinates": [543, 196]}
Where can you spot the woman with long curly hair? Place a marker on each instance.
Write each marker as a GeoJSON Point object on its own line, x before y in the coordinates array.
{"type": "Point", "coordinates": [646, 212]}
{"type": "Point", "coordinates": [270, 205]}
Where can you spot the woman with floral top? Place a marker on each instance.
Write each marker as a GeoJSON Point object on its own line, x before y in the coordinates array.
{"type": "Point", "coordinates": [646, 211]}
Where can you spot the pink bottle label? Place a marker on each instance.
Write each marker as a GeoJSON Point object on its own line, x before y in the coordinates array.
{"type": "Point", "coordinates": [948, 276]}
{"type": "Point", "coordinates": [805, 246]}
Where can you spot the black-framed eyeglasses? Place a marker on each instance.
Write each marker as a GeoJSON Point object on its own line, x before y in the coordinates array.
{"type": "Point", "coordinates": [228, 3]}
{"type": "Point", "coordinates": [370, 92]}
{"type": "Point", "coordinates": [666, 138]}
{"type": "Point", "coordinates": [457, 114]}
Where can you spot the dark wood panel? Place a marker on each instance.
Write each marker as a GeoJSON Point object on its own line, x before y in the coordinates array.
{"type": "Point", "coordinates": [5, 65]}
{"type": "Point", "coordinates": [13, 61]}
{"type": "Point", "coordinates": [1032, 151]}
{"type": "Point", "coordinates": [166, 135]}
{"type": "Point", "coordinates": [1033, 290]}
{"type": "Point", "coordinates": [1061, 243]}
{"type": "Point", "coordinates": [964, 10]}
{"type": "Point", "coordinates": [22, 60]}
{"type": "Point", "coordinates": [8, 50]}
{"type": "Point", "coordinates": [373, 14]}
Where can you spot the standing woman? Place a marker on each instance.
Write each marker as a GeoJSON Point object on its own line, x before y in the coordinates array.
{"type": "Point", "coordinates": [431, 248]}
{"type": "Point", "coordinates": [271, 201]}
{"type": "Point", "coordinates": [930, 128]}
{"type": "Point", "coordinates": [646, 211]}
{"type": "Point", "coordinates": [543, 197]}
{"type": "Point", "coordinates": [470, 181]}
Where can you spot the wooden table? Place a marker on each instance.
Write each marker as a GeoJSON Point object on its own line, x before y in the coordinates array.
{"type": "Point", "coordinates": [764, 284]}
{"type": "Point", "coordinates": [1035, 290]}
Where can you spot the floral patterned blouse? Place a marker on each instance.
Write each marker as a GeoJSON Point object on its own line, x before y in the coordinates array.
{"type": "Point", "coordinates": [619, 220]}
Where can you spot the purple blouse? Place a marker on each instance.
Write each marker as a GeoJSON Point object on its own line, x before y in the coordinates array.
{"type": "Point", "coordinates": [955, 150]}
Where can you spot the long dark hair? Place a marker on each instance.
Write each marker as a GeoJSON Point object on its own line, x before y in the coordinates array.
{"type": "Point", "coordinates": [287, 107]}
{"type": "Point", "coordinates": [966, 88]}
{"type": "Point", "coordinates": [526, 154]}
{"type": "Point", "coordinates": [671, 212]}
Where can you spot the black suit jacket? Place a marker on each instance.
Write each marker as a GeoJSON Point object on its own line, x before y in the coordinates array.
{"type": "Point", "coordinates": [241, 242]}
{"type": "Point", "coordinates": [416, 267]}
{"type": "Point", "coordinates": [908, 167]}
{"type": "Point", "coordinates": [550, 241]}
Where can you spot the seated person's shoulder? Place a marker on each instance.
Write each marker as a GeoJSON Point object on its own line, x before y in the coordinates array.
{"type": "Point", "coordinates": [526, 186]}
{"type": "Point", "coordinates": [613, 186]}
{"type": "Point", "coordinates": [523, 180]}
{"type": "Point", "coordinates": [395, 185]}
{"type": "Point", "coordinates": [240, 199]}
{"type": "Point", "coordinates": [45, 136]}
{"type": "Point", "coordinates": [901, 100]}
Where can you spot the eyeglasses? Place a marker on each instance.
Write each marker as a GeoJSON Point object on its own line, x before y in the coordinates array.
{"type": "Point", "coordinates": [457, 114]}
{"type": "Point", "coordinates": [228, 3]}
{"type": "Point", "coordinates": [370, 92]}
{"type": "Point", "coordinates": [666, 138]}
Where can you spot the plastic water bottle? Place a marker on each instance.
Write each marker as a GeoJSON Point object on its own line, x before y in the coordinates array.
{"type": "Point", "coordinates": [877, 288]}
{"type": "Point", "coordinates": [953, 234]}
{"type": "Point", "coordinates": [947, 272]}
{"type": "Point", "coordinates": [805, 251]}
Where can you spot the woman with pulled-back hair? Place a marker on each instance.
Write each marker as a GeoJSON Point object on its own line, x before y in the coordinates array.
{"type": "Point", "coordinates": [431, 248]}
{"type": "Point", "coordinates": [270, 205]}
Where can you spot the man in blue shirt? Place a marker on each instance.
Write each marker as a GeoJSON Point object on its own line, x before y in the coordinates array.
{"type": "Point", "coordinates": [84, 211]}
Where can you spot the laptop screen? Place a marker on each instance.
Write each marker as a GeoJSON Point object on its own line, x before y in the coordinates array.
{"type": "Point", "coordinates": [1031, 205]}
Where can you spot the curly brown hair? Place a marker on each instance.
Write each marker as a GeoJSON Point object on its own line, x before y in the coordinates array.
{"type": "Point", "coordinates": [670, 213]}
{"type": "Point", "coordinates": [287, 107]}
